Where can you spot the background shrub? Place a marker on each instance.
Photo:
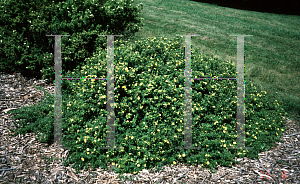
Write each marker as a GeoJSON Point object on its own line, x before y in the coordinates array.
{"type": "Point", "coordinates": [149, 105]}
{"type": "Point", "coordinates": [27, 49]}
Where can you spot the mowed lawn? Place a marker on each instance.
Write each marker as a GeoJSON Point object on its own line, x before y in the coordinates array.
{"type": "Point", "coordinates": [272, 58]}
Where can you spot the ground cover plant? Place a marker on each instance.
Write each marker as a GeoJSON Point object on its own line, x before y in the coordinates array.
{"type": "Point", "coordinates": [149, 97]}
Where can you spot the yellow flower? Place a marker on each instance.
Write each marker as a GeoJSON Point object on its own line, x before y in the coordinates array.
{"type": "Point", "coordinates": [207, 162]}
{"type": "Point", "coordinates": [174, 162]}
{"type": "Point", "coordinates": [82, 159]}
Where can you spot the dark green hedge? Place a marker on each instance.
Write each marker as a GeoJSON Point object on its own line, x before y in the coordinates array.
{"type": "Point", "coordinates": [25, 47]}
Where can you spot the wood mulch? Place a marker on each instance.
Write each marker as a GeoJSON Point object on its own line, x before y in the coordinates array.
{"type": "Point", "coordinates": [24, 160]}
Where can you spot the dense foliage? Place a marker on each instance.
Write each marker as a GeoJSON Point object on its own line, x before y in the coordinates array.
{"type": "Point", "coordinates": [149, 105]}
{"type": "Point", "coordinates": [25, 24]}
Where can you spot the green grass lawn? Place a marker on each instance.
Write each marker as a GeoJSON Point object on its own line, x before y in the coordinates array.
{"type": "Point", "coordinates": [272, 59]}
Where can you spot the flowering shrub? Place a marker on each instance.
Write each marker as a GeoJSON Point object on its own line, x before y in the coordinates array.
{"type": "Point", "coordinates": [27, 49]}
{"type": "Point", "coordinates": [149, 110]}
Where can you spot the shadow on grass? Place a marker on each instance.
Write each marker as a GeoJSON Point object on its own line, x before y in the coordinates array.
{"type": "Point", "coordinates": [259, 6]}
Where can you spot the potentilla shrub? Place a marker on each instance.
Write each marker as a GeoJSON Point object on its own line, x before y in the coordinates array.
{"type": "Point", "coordinates": [25, 24]}
{"type": "Point", "coordinates": [149, 110]}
